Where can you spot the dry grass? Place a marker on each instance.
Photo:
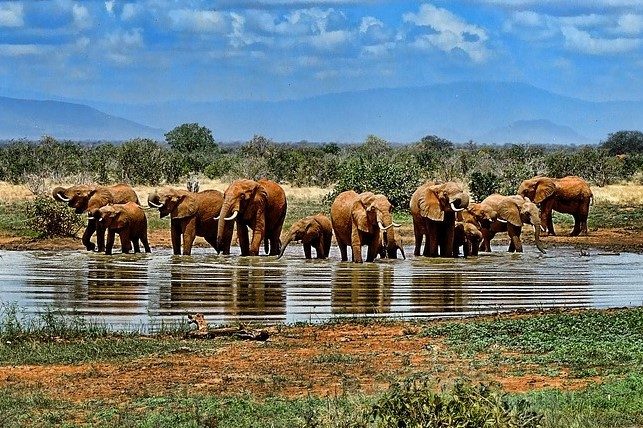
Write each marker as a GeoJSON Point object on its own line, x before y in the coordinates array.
{"type": "Point", "coordinates": [619, 194]}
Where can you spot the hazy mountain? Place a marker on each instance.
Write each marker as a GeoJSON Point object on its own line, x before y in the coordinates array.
{"type": "Point", "coordinates": [458, 111]}
{"type": "Point", "coordinates": [534, 131]}
{"type": "Point", "coordinates": [487, 112]}
{"type": "Point", "coordinates": [32, 119]}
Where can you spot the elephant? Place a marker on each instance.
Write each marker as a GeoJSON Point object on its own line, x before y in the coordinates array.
{"type": "Point", "coordinates": [467, 236]}
{"type": "Point", "coordinates": [259, 205]}
{"type": "Point", "coordinates": [500, 213]}
{"type": "Point", "coordinates": [314, 231]}
{"type": "Point", "coordinates": [433, 208]}
{"type": "Point", "coordinates": [129, 221]}
{"type": "Point", "coordinates": [89, 198]}
{"type": "Point", "coordinates": [364, 219]}
{"type": "Point", "coordinates": [192, 214]}
{"type": "Point", "coordinates": [568, 195]}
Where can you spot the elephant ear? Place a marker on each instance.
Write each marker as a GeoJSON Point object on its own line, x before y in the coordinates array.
{"type": "Point", "coordinates": [546, 187]}
{"type": "Point", "coordinates": [430, 206]}
{"type": "Point", "coordinates": [509, 211]}
{"type": "Point", "coordinates": [184, 206]}
{"type": "Point", "coordinates": [313, 228]}
{"type": "Point", "coordinates": [360, 216]}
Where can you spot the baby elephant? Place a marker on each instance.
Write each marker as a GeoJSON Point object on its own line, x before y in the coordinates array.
{"type": "Point", "coordinates": [129, 221]}
{"type": "Point", "coordinates": [467, 236]}
{"type": "Point", "coordinates": [313, 231]}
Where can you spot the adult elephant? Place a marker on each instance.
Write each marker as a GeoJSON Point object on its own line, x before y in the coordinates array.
{"type": "Point", "coordinates": [314, 231]}
{"type": "Point", "coordinates": [191, 214]}
{"type": "Point", "coordinates": [433, 208]}
{"type": "Point", "coordinates": [500, 213]}
{"type": "Point", "coordinates": [89, 198]}
{"type": "Point", "coordinates": [364, 219]}
{"type": "Point", "coordinates": [129, 221]}
{"type": "Point", "coordinates": [258, 205]}
{"type": "Point", "coordinates": [568, 195]}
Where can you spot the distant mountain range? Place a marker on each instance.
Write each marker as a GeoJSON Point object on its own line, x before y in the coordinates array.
{"type": "Point", "coordinates": [32, 119]}
{"type": "Point", "coordinates": [496, 112]}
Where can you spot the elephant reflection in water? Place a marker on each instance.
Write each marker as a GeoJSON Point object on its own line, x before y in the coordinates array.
{"type": "Point", "coordinates": [248, 288]}
{"type": "Point", "coordinates": [438, 291]}
{"type": "Point", "coordinates": [362, 289]}
{"type": "Point", "coordinates": [118, 284]}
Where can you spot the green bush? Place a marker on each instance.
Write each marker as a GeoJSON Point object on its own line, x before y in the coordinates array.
{"type": "Point", "coordinates": [482, 185]}
{"type": "Point", "coordinates": [414, 403]}
{"type": "Point", "coordinates": [50, 218]}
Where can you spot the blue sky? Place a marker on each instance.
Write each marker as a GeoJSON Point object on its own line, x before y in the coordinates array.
{"type": "Point", "coordinates": [162, 50]}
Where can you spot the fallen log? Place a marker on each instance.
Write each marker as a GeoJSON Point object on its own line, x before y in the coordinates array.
{"type": "Point", "coordinates": [204, 332]}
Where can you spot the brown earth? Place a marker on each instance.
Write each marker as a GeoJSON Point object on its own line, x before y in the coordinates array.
{"type": "Point", "coordinates": [296, 361]}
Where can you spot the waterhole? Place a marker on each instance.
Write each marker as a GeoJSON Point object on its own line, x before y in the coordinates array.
{"type": "Point", "coordinates": [134, 291]}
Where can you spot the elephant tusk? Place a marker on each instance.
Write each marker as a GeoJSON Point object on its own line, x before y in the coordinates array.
{"type": "Point", "coordinates": [381, 225]}
{"type": "Point", "coordinates": [396, 224]}
{"type": "Point", "coordinates": [542, 229]}
{"type": "Point", "coordinates": [501, 220]}
{"type": "Point", "coordinates": [62, 198]}
{"type": "Point", "coordinates": [155, 205]}
{"type": "Point", "coordinates": [90, 217]}
{"type": "Point", "coordinates": [217, 217]}
{"type": "Point", "coordinates": [233, 216]}
{"type": "Point", "coordinates": [456, 209]}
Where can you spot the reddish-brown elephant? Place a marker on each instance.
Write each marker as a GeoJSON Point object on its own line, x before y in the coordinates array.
{"type": "Point", "coordinates": [129, 221]}
{"type": "Point", "coordinates": [467, 236]}
{"type": "Point", "coordinates": [313, 231]}
{"type": "Point", "coordinates": [568, 195]}
{"type": "Point", "coordinates": [258, 205]}
{"type": "Point", "coordinates": [364, 219]}
{"type": "Point", "coordinates": [191, 214]}
{"type": "Point", "coordinates": [433, 208]}
{"type": "Point", "coordinates": [499, 213]}
{"type": "Point", "coordinates": [89, 198]}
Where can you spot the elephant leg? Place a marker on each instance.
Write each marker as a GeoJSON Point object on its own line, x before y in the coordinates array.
{"type": "Point", "coordinates": [308, 252]}
{"type": "Point", "coordinates": [145, 242]}
{"type": "Point", "coordinates": [356, 246]}
{"type": "Point", "coordinates": [212, 240]}
{"type": "Point", "coordinates": [577, 225]}
{"type": "Point", "coordinates": [432, 241]}
{"type": "Point", "coordinates": [514, 234]}
{"type": "Point", "coordinates": [135, 243]}
{"type": "Point", "coordinates": [126, 244]}
{"type": "Point", "coordinates": [176, 237]}
{"type": "Point", "coordinates": [419, 235]}
{"type": "Point", "coordinates": [100, 237]}
{"type": "Point", "coordinates": [466, 248]}
{"type": "Point", "coordinates": [87, 235]}
{"type": "Point", "coordinates": [188, 229]}
{"type": "Point", "coordinates": [275, 245]}
{"type": "Point", "coordinates": [487, 236]}
{"type": "Point", "coordinates": [343, 250]}
{"type": "Point", "coordinates": [242, 237]}
{"type": "Point", "coordinates": [110, 242]}
{"type": "Point", "coordinates": [446, 244]}
{"type": "Point", "coordinates": [319, 249]}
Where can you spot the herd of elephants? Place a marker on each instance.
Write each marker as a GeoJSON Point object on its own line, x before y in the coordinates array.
{"type": "Point", "coordinates": [443, 218]}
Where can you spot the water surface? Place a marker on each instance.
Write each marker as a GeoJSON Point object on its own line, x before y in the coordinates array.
{"type": "Point", "coordinates": [134, 290]}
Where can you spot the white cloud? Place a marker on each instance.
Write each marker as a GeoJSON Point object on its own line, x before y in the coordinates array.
{"type": "Point", "coordinates": [582, 41]}
{"type": "Point", "coordinates": [451, 32]}
{"type": "Point", "coordinates": [130, 10]}
{"type": "Point", "coordinates": [200, 21]}
{"type": "Point", "coordinates": [329, 40]}
{"type": "Point", "coordinates": [11, 14]}
{"type": "Point", "coordinates": [20, 50]}
{"type": "Point", "coordinates": [630, 23]}
{"type": "Point", "coordinates": [82, 18]}
{"type": "Point", "coordinates": [120, 46]}
{"type": "Point", "coordinates": [109, 7]}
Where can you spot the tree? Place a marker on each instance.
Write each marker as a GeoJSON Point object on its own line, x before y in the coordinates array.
{"type": "Point", "coordinates": [190, 137]}
{"type": "Point", "coordinates": [624, 142]}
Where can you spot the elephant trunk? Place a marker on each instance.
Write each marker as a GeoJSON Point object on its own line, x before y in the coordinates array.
{"type": "Point", "coordinates": [59, 194]}
{"type": "Point", "coordinates": [459, 202]}
{"type": "Point", "coordinates": [223, 216]}
{"type": "Point", "coordinates": [153, 200]}
{"type": "Point", "coordinates": [283, 247]}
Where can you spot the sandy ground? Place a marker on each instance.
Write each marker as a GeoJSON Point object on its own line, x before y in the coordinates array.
{"type": "Point", "coordinates": [296, 361]}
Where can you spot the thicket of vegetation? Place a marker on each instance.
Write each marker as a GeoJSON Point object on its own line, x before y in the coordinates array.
{"type": "Point", "coordinates": [375, 164]}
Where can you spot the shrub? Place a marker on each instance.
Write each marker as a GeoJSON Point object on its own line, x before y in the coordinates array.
{"type": "Point", "coordinates": [482, 185]}
{"type": "Point", "coordinates": [50, 218]}
{"type": "Point", "coordinates": [414, 404]}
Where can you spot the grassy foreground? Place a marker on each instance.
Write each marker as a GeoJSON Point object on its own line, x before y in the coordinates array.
{"type": "Point", "coordinates": [602, 351]}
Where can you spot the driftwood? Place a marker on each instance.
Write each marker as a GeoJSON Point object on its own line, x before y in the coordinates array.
{"type": "Point", "coordinates": [204, 332]}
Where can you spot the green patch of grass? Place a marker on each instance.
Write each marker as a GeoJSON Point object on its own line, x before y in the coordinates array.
{"type": "Point", "coordinates": [615, 403]}
{"type": "Point", "coordinates": [335, 358]}
{"type": "Point", "coordinates": [13, 219]}
{"type": "Point", "coordinates": [589, 343]}
{"type": "Point", "coordinates": [606, 216]}
{"type": "Point", "coordinates": [302, 207]}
